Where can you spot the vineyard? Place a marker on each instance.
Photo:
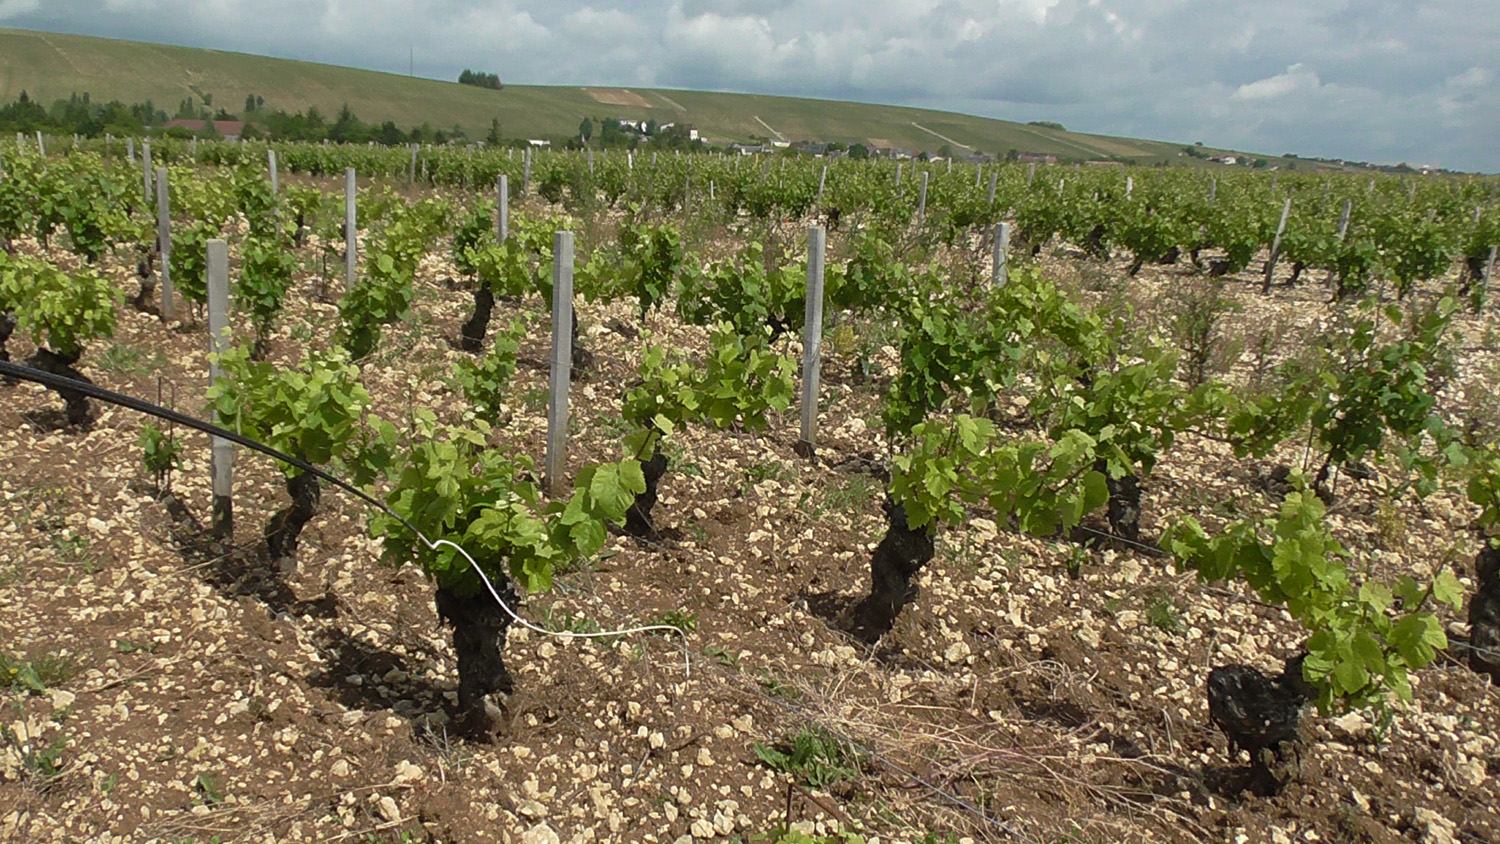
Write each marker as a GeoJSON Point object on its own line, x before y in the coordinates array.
{"type": "Point", "coordinates": [1073, 504]}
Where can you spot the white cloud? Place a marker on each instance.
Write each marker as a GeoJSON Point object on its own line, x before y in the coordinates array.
{"type": "Point", "coordinates": [1297, 77]}
{"type": "Point", "coordinates": [1400, 79]}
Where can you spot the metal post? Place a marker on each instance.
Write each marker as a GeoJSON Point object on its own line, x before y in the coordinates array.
{"type": "Point", "coordinates": [562, 360]}
{"type": "Point", "coordinates": [1000, 269]}
{"type": "Point", "coordinates": [221, 457]}
{"type": "Point", "coordinates": [812, 340]}
{"type": "Point", "coordinates": [351, 242]}
{"type": "Point", "coordinates": [164, 245]}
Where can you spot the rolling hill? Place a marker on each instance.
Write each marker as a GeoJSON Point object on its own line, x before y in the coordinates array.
{"type": "Point", "coordinates": [50, 66]}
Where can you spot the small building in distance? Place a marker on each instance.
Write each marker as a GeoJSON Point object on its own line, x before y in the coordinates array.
{"type": "Point", "coordinates": [1036, 158]}
{"type": "Point", "coordinates": [231, 130]}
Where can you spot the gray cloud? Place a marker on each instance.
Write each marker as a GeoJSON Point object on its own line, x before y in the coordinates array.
{"type": "Point", "coordinates": [1377, 79]}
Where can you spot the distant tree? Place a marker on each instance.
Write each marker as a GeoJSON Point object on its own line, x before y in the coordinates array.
{"type": "Point", "coordinates": [945, 151]}
{"type": "Point", "coordinates": [1048, 124]}
{"type": "Point", "coordinates": [586, 129]}
{"type": "Point", "coordinates": [481, 80]}
{"type": "Point", "coordinates": [251, 132]}
{"type": "Point", "coordinates": [859, 151]}
{"type": "Point", "coordinates": [390, 135]}
{"type": "Point", "coordinates": [249, 103]}
{"type": "Point", "coordinates": [493, 138]}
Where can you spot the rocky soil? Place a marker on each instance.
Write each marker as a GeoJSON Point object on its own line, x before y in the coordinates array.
{"type": "Point", "coordinates": [1034, 690]}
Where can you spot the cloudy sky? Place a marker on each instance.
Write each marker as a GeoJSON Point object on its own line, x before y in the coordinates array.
{"type": "Point", "coordinates": [1380, 80]}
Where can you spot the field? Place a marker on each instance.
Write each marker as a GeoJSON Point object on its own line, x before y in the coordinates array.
{"type": "Point", "coordinates": [1041, 686]}
{"type": "Point", "coordinates": [51, 66]}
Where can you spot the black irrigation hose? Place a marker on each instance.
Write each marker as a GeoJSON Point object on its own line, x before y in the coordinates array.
{"type": "Point", "coordinates": [58, 382]}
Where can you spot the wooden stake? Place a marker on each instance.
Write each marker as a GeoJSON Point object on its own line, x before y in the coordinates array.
{"type": "Point", "coordinates": [164, 245]}
{"type": "Point", "coordinates": [812, 339]}
{"type": "Point", "coordinates": [221, 456]}
{"type": "Point", "coordinates": [562, 361]}
{"type": "Point", "coordinates": [502, 208]}
{"type": "Point", "coordinates": [1276, 246]}
{"type": "Point", "coordinates": [146, 168]}
{"type": "Point", "coordinates": [351, 230]}
{"type": "Point", "coordinates": [1000, 267]}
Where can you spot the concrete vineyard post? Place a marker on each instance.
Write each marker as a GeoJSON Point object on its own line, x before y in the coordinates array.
{"type": "Point", "coordinates": [630, 162]}
{"type": "Point", "coordinates": [1344, 219]}
{"type": "Point", "coordinates": [1030, 173]}
{"type": "Point", "coordinates": [130, 150]}
{"type": "Point", "coordinates": [412, 176]}
{"type": "Point", "coordinates": [351, 242]}
{"type": "Point", "coordinates": [822, 180]}
{"type": "Point", "coordinates": [1129, 186]}
{"type": "Point", "coordinates": [898, 175]}
{"type": "Point", "coordinates": [1489, 272]}
{"type": "Point", "coordinates": [950, 164]}
{"type": "Point", "coordinates": [922, 198]}
{"type": "Point", "coordinates": [164, 245]}
{"type": "Point", "coordinates": [41, 145]}
{"type": "Point", "coordinates": [1276, 246]}
{"type": "Point", "coordinates": [275, 177]}
{"type": "Point", "coordinates": [193, 150]}
{"type": "Point", "coordinates": [1000, 267]}
{"type": "Point", "coordinates": [146, 168]}
{"type": "Point", "coordinates": [526, 171]}
{"type": "Point", "coordinates": [562, 361]}
{"type": "Point", "coordinates": [710, 190]}
{"type": "Point", "coordinates": [653, 158]}
{"type": "Point", "coordinates": [221, 455]}
{"type": "Point", "coordinates": [502, 208]}
{"type": "Point", "coordinates": [978, 174]}
{"type": "Point", "coordinates": [994, 180]}
{"type": "Point", "coordinates": [1213, 190]}
{"type": "Point", "coordinates": [20, 141]}
{"type": "Point", "coordinates": [75, 140]}
{"type": "Point", "coordinates": [591, 162]}
{"type": "Point", "coordinates": [812, 338]}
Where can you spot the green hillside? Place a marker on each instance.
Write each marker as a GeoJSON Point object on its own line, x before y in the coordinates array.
{"type": "Point", "coordinates": [50, 66]}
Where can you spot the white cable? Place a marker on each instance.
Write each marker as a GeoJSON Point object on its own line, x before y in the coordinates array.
{"type": "Point", "coordinates": [687, 666]}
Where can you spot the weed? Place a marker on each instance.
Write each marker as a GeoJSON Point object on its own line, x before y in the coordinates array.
{"type": "Point", "coordinates": [817, 758]}
{"type": "Point", "coordinates": [726, 658]}
{"type": "Point", "coordinates": [681, 619]}
{"type": "Point", "coordinates": [127, 360]}
{"type": "Point", "coordinates": [208, 789]}
{"type": "Point", "coordinates": [775, 683]}
{"type": "Point", "coordinates": [36, 673]}
{"type": "Point", "coordinates": [41, 765]}
{"type": "Point", "coordinates": [1163, 614]}
{"type": "Point", "coordinates": [535, 400]}
{"type": "Point", "coordinates": [73, 548]}
{"type": "Point", "coordinates": [851, 498]}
